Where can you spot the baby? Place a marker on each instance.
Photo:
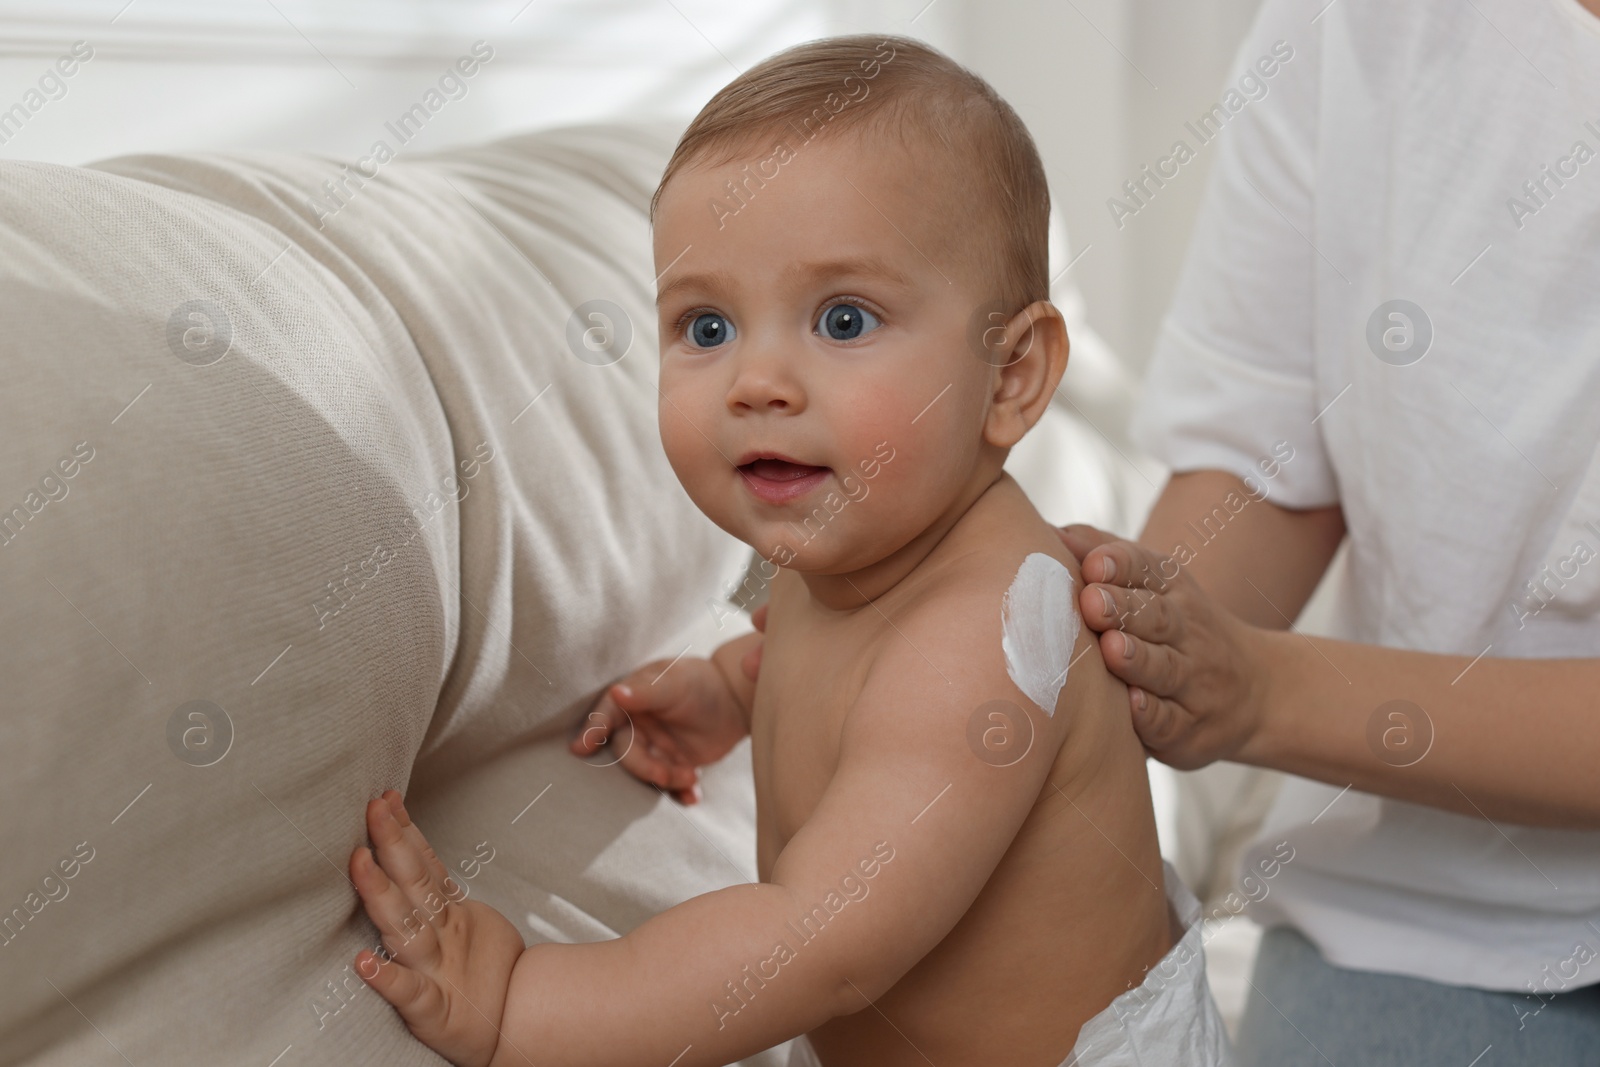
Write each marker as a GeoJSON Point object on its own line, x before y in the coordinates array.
{"type": "Point", "coordinates": [956, 846]}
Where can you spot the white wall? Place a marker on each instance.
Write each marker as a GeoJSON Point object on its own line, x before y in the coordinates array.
{"type": "Point", "coordinates": [1104, 84]}
{"type": "Point", "coordinates": [186, 75]}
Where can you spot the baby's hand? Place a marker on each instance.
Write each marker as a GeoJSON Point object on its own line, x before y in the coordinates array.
{"type": "Point", "coordinates": [452, 957]}
{"type": "Point", "coordinates": [668, 719]}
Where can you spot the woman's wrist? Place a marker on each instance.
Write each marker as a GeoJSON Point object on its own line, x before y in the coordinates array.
{"type": "Point", "coordinates": [1273, 669]}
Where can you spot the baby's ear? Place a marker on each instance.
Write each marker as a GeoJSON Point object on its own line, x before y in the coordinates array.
{"type": "Point", "coordinates": [1028, 366]}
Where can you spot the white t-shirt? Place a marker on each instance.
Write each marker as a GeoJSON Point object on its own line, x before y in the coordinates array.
{"type": "Point", "coordinates": [1444, 153]}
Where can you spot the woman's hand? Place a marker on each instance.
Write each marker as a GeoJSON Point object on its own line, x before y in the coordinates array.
{"type": "Point", "coordinates": [1196, 674]}
{"type": "Point", "coordinates": [450, 958]}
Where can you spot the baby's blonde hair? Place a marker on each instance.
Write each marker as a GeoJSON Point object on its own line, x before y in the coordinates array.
{"type": "Point", "coordinates": [919, 94]}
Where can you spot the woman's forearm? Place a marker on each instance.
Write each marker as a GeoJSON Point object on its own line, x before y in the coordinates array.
{"type": "Point", "coordinates": [1512, 739]}
{"type": "Point", "coordinates": [1515, 740]}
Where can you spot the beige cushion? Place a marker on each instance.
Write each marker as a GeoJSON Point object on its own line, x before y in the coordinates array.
{"type": "Point", "coordinates": [276, 533]}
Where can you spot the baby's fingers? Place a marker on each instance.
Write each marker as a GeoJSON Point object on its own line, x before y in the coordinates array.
{"type": "Point", "coordinates": [430, 858]}
{"type": "Point", "coordinates": [654, 757]}
{"type": "Point", "coordinates": [419, 1000]}
{"type": "Point", "coordinates": [644, 752]}
{"type": "Point", "coordinates": [653, 687]}
{"type": "Point", "coordinates": [691, 795]}
{"type": "Point", "coordinates": [407, 930]}
{"type": "Point", "coordinates": [405, 856]}
{"type": "Point", "coordinates": [598, 727]}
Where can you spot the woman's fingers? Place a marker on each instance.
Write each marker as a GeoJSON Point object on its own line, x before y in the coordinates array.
{"type": "Point", "coordinates": [1159, 722]}
{"type": "Point", "coordinates": [1148, 665]}
{"type": "Point", "coordinates": [1150, 616]}
{"type": "Point", "coordinates": [1080, 538]}
{"type": "Point", "coordinates": [1186, 661]}
{"type": "Point", "coordinates": [1111, 560]}
{"type": "Point", "coordinates": [1127, 564]}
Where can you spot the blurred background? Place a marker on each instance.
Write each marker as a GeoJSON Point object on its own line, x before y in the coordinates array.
{"type": "Point", "coordinates": [1105, 86]}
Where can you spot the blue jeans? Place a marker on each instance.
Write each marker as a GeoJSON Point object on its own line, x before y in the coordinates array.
{"type": "Point", "coordinates": [1304, 1011]}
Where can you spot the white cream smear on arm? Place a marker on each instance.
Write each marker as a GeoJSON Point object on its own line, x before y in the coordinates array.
{"type": "Point", "coordinates": [1038, 627]}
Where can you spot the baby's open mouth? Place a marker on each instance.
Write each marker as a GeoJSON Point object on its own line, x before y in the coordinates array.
{"type": "Point", "coordinates": [776, 479]}
{"type": "Point", "coordinates": [779, 470]}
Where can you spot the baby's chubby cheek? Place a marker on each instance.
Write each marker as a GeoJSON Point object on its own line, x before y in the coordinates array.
{"type": "Point", "coordinates": [700, 468]}
{"type": "Point", "coordinates": [902, 453]}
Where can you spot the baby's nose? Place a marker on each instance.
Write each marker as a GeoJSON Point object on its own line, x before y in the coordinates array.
{"type": "Point", "coordinates": [766, 382]}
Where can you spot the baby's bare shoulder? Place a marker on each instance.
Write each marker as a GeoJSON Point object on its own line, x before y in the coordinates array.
{"type": "Point", "coordinates": [997, 625]}
{"type": "Point", "coordinates": [1001, 550]}
{"type": "Point", "coordinates": [999, 601]}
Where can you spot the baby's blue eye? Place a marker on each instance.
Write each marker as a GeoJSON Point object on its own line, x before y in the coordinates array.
{"type": "Point", "coordinates": [710, 330]}
{"type": "Point", "coordinates": [844, 322]}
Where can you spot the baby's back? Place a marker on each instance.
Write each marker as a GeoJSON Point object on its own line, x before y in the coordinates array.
{"type": "Point", "coordinates": [1074, 912]}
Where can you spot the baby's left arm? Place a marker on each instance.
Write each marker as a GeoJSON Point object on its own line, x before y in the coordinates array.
{"type": "Point", "coordinates": [912, 824]}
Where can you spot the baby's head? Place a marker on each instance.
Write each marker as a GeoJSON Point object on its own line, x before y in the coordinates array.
{"type": "Point", "coordinates": [853, 299]}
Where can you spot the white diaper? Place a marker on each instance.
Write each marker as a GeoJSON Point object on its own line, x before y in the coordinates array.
{"type": "Point", "coordinates": [1170, 1017]}
{"type": "Point", "coordinates": [1168, 1021]}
